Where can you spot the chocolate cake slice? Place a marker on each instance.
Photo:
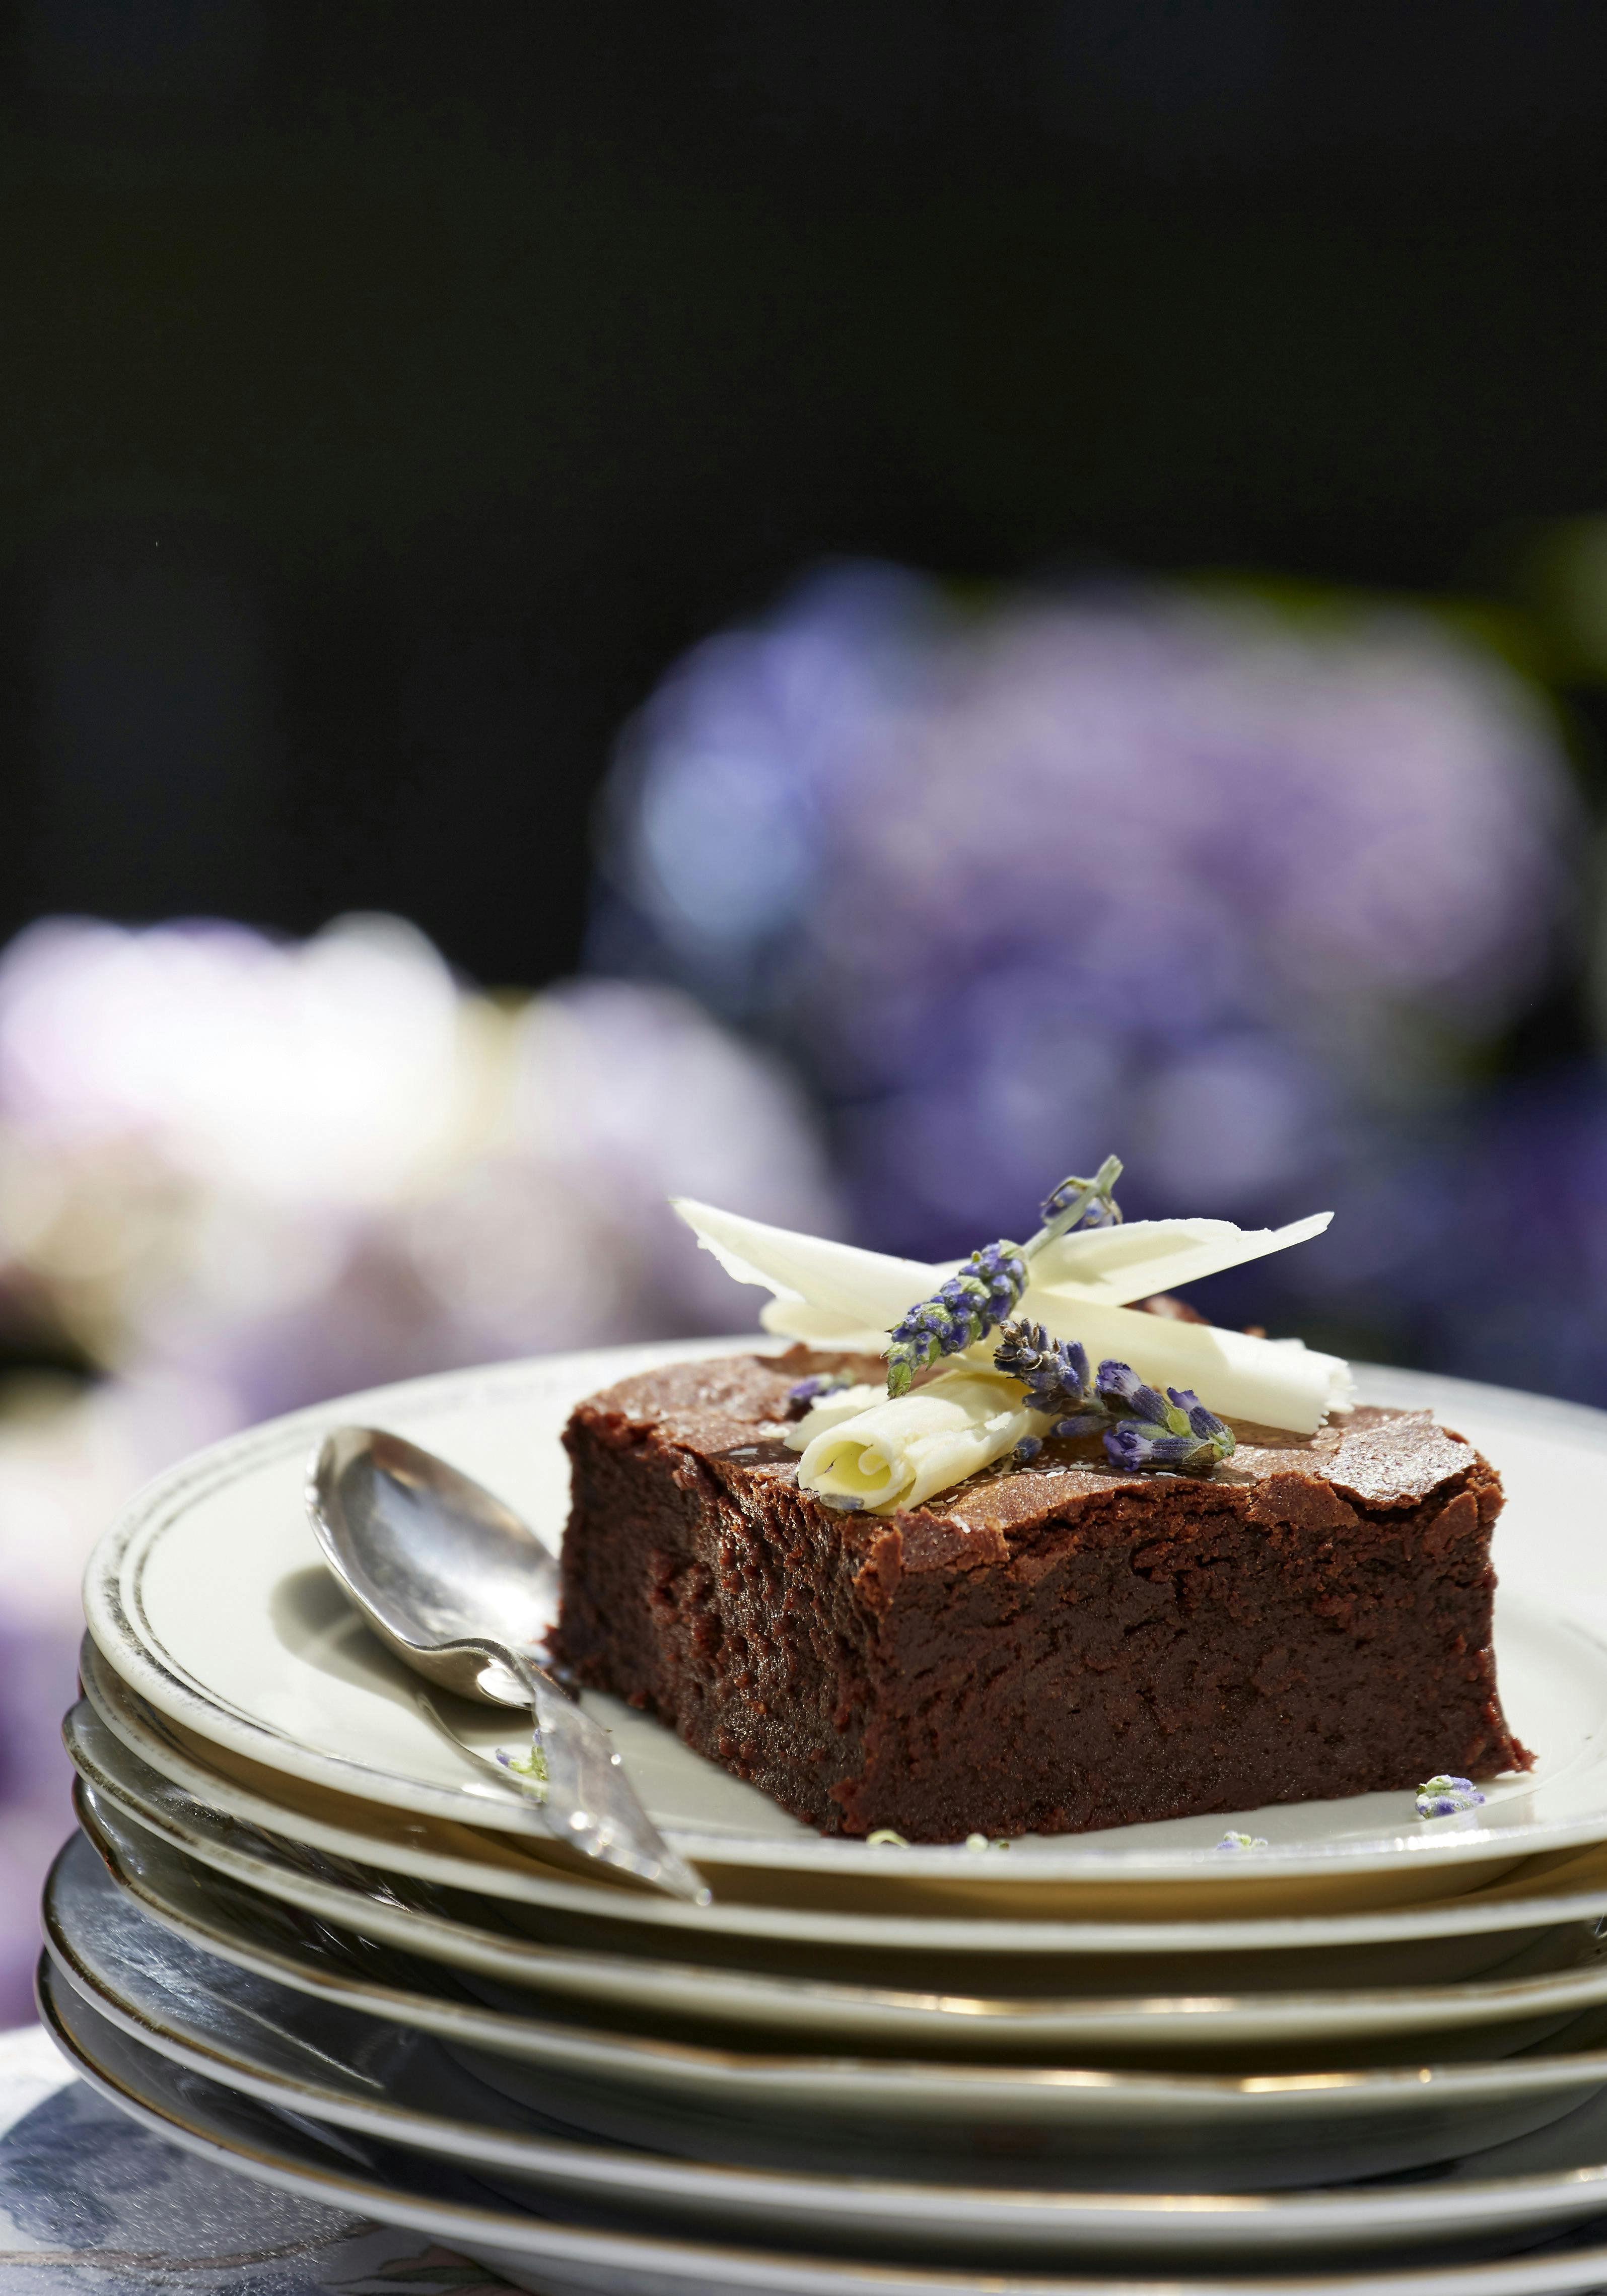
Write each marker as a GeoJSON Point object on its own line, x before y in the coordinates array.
{"type": "Point", "coordinates": [1048, 1647]}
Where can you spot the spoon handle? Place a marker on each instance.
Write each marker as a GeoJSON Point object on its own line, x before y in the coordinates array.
{"type": "Point", "coordinates": [590, 1801]}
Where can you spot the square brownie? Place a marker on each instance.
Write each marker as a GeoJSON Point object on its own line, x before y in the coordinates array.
{"type": "Point", "coordinates": [1050, 1646]}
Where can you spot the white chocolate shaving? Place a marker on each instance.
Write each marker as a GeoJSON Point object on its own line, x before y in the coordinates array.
{"type": "Point", "coordinates": [819, 1327]}
{"type": "Point", "coordinates": [1132, 1262]}
{"type": "Point", "coordinates": [869, 1290]}
{"type": "Point", "coordinates": [899, 1453]}
{"type": "Point", "coordinates": [835, 1295]}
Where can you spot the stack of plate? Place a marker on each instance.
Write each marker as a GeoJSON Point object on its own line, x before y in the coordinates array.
{"type": "Point", "coordinates": [304, 1929]}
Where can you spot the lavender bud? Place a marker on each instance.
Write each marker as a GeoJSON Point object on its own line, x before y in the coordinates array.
{"type": "Point", "coordinates": [1080, 1423]}
{"type": "Point", "coordinates": [1174, 1433]}
{"type": "Point", "coordinates": [1053, 1372]}
{"type": "Point", "coordinates": [1203, 1425]}
{"type": "Point", "coordinates": [1171, 1433]}
{"type": "Point", "coordinates": [1446, 1797]}
{"type": "Point", "coordinates": [1138, 1449]}
{"type": "Point", "coordinates": [809, 1391]}
{"type": "Point", "coordinates": [1079, 1203]}
{"type": "Point", "coordinates": [963, 1311]}
{"type": "Point", "coordinates": [1121, 1389]}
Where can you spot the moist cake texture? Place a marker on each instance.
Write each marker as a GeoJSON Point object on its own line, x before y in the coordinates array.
{"type": "Point", "coordinates": [1052, 1647]}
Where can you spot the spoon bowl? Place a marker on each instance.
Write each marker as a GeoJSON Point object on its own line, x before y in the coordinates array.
{"type": "Point", "coordinates": [434, 1558]}
{"type": "Point", "coordinates": [465, 1594]}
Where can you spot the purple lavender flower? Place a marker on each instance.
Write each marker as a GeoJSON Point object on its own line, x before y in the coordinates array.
{"type": "Point", "coordinates": [810, 1391]}
{"type": "Point", "coordinates": [1172, 1433]}
{"type": "Point", "coordinates": [1175, 1435]}
{"type": "Point", "coordinates": [1121, 1388]}
{"type": "Point", "coordinates": [1446, 1797]}
{"type": "Point", "coordinates": [963, 1311]}
{"type": "Point", "coordinates": [1093, 1420]}
{"type": "Point", "coordinates": [1138, 1449]}
{"type": "Point", "coordinates": [1053, 1372]}
{"type": "Point", "coordinates": [1084, 1203]}
{"type": "Point", "coordinates": [969, 1305]}
{"type": "Point", "coordinates": [1204, 1424]}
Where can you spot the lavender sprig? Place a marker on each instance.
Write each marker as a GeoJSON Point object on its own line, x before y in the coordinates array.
{"type": "Point", "coordinates": [1055, 1375]}
{"type": "Point", "coordinates": [963, 1311]}
{"type": "Point", "coordinates": [1145, 1430]}
{"type": "Point", "coordinates": [1171, 1434]}
{"type": "Point", "coordinates": [1079, 1203]}
{"type": "Point", "coordinates": [970, 1304]}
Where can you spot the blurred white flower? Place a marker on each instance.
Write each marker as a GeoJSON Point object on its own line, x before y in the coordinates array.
{"type": "Point", "coordinates": [326, 1073]}
{"type": "Point", "coordinates": [286, 1169]}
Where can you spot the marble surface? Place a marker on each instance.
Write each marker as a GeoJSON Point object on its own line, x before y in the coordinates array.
{"type": "Point", "coordinates": [92, 2204]}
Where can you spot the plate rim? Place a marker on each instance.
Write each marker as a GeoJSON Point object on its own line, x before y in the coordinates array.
{"type": "Point", "coordinates": [1561, 2273]}
{"type": "Point", "coordinates": [1201, 2015]}
{"type": "Point", "coordinates": [114, 1612]}
{"type": "Point", "coordinates": [1314, 2205]}
{"type": "Point", "coordinates": [973, 2085]}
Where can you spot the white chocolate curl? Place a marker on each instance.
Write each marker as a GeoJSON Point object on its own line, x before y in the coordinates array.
{"type": "Point", "coordinates": [899, 1453]}
{"type": "Point", "coordinates": [834, 1295]}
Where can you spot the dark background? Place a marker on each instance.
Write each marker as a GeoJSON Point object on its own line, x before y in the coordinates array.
{"type": "Point", "coordinates": [390, 392]}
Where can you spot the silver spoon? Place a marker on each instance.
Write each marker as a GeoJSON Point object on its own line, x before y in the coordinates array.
{"type": "Point", "coordinates": [464, 1592]}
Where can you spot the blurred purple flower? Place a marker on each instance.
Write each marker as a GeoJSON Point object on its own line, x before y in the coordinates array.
{"type": "Point", "coordinates": [1483, 1252]}
{"type": "Point", "coordinates": [1226, 889]}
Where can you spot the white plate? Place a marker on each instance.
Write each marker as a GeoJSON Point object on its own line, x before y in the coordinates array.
{"type": "Point", "coordinates": [543, 2251]}
{"type": "Point", "coordinates": [849, 2113]}
{"type": "Point", "coordinates": [208, 1595]}
{"type": "Point", "coordinates": [1537, 1988]}
{"type": "Point", "coordinates": [341, 2067]}
{"type": "Point", "coordinates": [1435, 1940]}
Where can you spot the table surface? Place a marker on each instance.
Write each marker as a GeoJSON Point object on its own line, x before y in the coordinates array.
{"type": "Point", "coordinates": [90, 2203]}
